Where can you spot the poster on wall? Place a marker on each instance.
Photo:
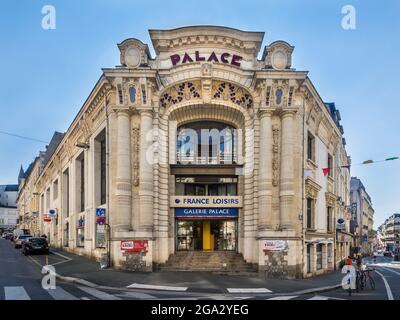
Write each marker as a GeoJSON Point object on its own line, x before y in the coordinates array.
{"type": "Point", "coordinates": [275, 246]}
{"type": "Point", "coordinates": [134, 246]}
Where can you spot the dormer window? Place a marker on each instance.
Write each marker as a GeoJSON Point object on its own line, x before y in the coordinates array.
{"type": "Point", "coordinates": [132, 94]}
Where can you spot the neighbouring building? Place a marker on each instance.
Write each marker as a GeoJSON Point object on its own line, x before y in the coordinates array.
{"type": "Point", "coordinates": [389, 232]}
{"type": "Point", "coordinates": [28, 197]}
{"type": "Point", "coordinates": [8, 207]}
{"type": "Point", "coordinates": [363, 217]}
{"type": "Point", "coordinates": [202, 148]}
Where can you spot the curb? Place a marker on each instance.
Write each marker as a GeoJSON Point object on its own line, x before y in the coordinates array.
{"type": "Point", "coordinates": [190, 290]}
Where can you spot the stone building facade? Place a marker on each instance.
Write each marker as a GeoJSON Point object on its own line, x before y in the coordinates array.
{"type": "Point", "coordinates": [204, 147]}
{"type": "Point", "coordinates": [363, 216]}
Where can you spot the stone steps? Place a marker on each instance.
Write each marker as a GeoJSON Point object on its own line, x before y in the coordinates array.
{"type": "Point", "coordinates": [206, 261]}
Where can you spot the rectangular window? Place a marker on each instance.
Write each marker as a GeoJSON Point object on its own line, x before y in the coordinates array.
{"type": "Point", "coordinates": [66, 235]}
{"type": "Point", "coordinates": [330, 165]}
{"type": "Point", "coordinates": [103, 170]}
{"type": "Point", "coordinates": [47, 199]}
{"type": "Point", "coordinates": [310, 147]}
{"type": "Point", "coordinates": [329, 222]}
{"type": "Point", "coordinates": [55, 189]}
{"type": "Point", "coordinates": [310, 213]}
{"type": "Point", "coordinates": [100, 169]}
{"type": "Point", "coordinates": [80, 182]}
{"type": "Point", "coordinates": [65, 191]}
{"type": "Point", "coordinates": [319, 256]}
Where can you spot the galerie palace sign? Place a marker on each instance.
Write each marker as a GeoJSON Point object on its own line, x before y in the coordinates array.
{"type": "Point", "coordinates": [225, 58]}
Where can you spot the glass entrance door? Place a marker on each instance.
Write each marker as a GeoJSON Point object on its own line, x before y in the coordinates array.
{"type": "Point", "coordinates": [209, 235]}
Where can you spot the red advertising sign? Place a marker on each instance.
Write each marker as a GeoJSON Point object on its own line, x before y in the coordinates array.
{"type": "Point", "coordinates": [46, 218]}
{"type": "Point", "coordinates": [134, 246]}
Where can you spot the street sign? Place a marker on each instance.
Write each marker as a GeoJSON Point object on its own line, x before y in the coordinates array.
{"type": "Point", "coordinates": [100, 212]}
{"type": "Point", "coordinates": [52, 213]}
{"type": "Point", "coordinates": [101, 221]}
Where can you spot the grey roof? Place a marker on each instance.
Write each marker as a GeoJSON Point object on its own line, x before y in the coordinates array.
{"type": "Point", "coordinates": [30, 168]}
{"type": "Point", "coordinates": [51, 148]}
{"type": "Point", "coordinates": [11, 187]}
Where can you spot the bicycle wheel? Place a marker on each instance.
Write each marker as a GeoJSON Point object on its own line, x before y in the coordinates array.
{"type": "Point", "coordinates": [371, 283]}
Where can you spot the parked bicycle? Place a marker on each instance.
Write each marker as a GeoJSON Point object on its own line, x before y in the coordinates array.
{"type": "Point", "coordinates": [364, 278]}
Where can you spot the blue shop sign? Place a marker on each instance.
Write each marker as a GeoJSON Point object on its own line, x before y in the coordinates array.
{"type": "Point", "coordinates": [206, 212]}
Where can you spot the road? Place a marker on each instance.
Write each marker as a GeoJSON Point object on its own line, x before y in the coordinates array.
{"type": "Point", "coordinates": [21, 279]}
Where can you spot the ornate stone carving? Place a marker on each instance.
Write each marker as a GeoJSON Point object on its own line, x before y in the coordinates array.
{"type": "Point", "coordinates": [180, 92]}
{"type": "Point", "coordinates": [312, 188]}
{"type": "Point", "coordinates": [229, 92]}
{"type": "Point", "coordinates": [134, 53]}
{"type": "Point", "coordinates": [275, 155]}
{"type": "Point", "coordinates": [278, 55]}
{"type": "Point", "coordinates": [136, 151]}
{"type": "Point", "coordinates": [330, 199]}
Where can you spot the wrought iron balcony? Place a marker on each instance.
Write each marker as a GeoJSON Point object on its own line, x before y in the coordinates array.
{"type": "Point", "coordinates": [223, 158]}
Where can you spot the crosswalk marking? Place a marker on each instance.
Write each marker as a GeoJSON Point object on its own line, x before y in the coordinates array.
{"type": "Point", "coordinates": [15, 293]}
{"type": "Point", "coordinates": [319, 298]}
{"type": "Point", "coordinates": [136, 295]}
{"type": "Point", "coordinates": [156, 287]}
{"type": "Point", "coordinates": [60, 294]}
{"type": "Point", "coordinates": [248, 290]}
{"type": "Point", "coordinates": [99, 294]}
{"type": "Point", "coordinates": [282, 298]}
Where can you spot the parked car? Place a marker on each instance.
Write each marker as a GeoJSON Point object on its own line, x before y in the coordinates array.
{"type": "Point", "coordinates": [19, 239]}
{"type": "Point", "coordinates": [388, 254]}
{"type": "Point", "coordinates": [9, 236]}
{"type": "Point", "coordinates": [35, 245]}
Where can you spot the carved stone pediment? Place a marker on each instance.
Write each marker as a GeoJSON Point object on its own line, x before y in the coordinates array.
{"type": "Point", "coordinates": [330, 199]}
{"type": "Point", "coordinates": [312, 188]}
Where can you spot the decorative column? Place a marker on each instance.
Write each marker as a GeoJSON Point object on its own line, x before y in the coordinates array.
{"type": "Point", "coordinates": [287, 174]}
{"type": "Point", "coordinates": [146, 171]}
{"type": "Point", "coordinates": [123, 181]}
{"type": "Point", "coordinates": [265, 171]}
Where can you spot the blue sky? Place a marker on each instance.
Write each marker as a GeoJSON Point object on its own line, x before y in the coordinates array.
{"type": "Point", "coordinates": [47, 75]}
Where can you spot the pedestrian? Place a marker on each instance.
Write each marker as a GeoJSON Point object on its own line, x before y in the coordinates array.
{"type": "Point", "coordinates": [349, 261]}
{"type": "Point", "coordinates": [44, 236]}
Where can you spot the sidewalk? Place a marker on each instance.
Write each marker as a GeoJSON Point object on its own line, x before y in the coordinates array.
{"type": "Point", "coordinates": [88, 270]}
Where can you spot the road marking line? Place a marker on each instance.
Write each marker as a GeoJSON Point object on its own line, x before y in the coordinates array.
{"type": "Point", "coordinates": [248, 290]}
{"type": "Point", "coordinates": [153, 287]}
{"type": "Point", "coordinates": [388, 291]}
{"type": "Point", "coordinates": [318, 298]}
{"type": "Point", "coordinates": [60, 294]}
{"type": "Point", "coordinates": [68, 259]}
{"type": "Point", "coordinates": [138, 295]}
{"type": "Point", "coordinates": [398, 273]}
{"type": "Point", "coordinates": [99, 294]}
{"type": "Point", "coordinates": [15, 293]}
{"type": "Point", "coordinates": [283, 298]}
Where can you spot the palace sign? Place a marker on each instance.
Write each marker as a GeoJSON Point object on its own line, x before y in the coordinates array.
{"type": "Point", "coordinates": [225, 58]}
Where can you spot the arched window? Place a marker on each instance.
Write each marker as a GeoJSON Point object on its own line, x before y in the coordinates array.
{"type": "Point", "coordinates": [132, 94]}
{"type": "Point", "coordinates": [278, 96]}
{"type": "Point", "coordinates": [206, 143]}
